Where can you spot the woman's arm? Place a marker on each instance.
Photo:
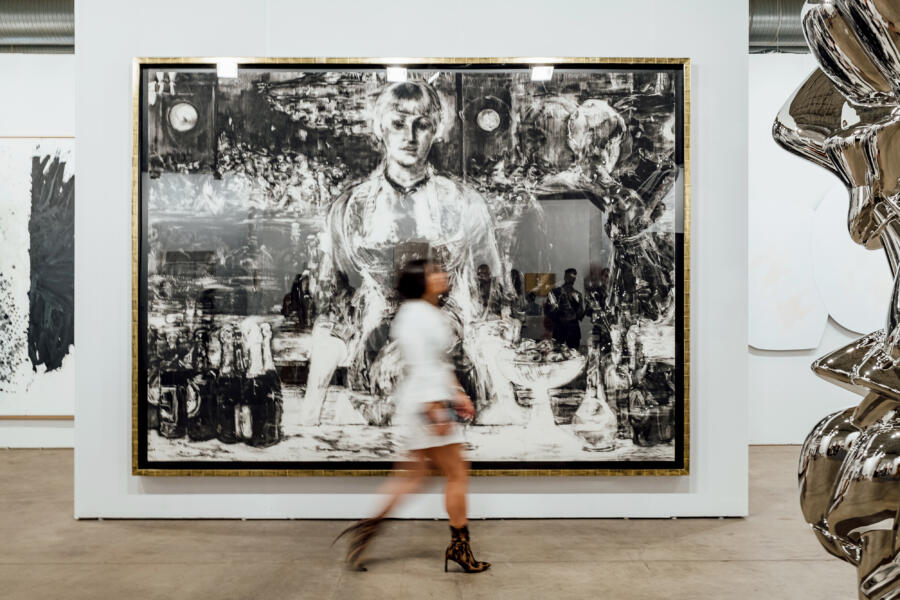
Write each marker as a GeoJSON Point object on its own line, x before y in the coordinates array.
{"type": "Point", "coordinates": [436, 412]}
{"type": "Point", "coordinates": [461, 402]}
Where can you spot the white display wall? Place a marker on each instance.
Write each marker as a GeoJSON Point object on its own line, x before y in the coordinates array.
{"type": "Point", "coordinates": [808, 282]}
{"type": "Point", "coordinates": [712, 33]}
{"type": "Point", "coordinates": [37, 109]}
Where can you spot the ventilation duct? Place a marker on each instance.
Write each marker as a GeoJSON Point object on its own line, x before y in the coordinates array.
{"type": "Point", "coordinates": [49, 26]}
{"type": "Point", "coordinates": [37, 26]}
{"type": "Point", "coordinates": [775, 26]}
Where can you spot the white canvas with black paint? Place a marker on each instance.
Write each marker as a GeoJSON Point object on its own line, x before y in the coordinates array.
{"type": "Point", "coordinates": [36, 276]}
{"type": "Point", "coordinates": [279, 205]}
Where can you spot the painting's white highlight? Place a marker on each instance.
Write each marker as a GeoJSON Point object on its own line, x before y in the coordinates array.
{"type": "Point", "coordinates": [712, 33]}
{"type": "Point", "coordinates": [489, 342]}
{"type": "Point", "coordinates": [540, 377]}
{"type": "Point", "coordinates": [786, 398]}
{"type": "Point", "coordinates": [595, 422]}
{"type": "Point", "coordinates": [853, 282]}
{"type": "Point", "coordinates": [541, 73]}
{"type": "Point", "coordinates": [41, 392]}
{"type": "Point", "coordinates": [593, 120]}
{"type": "Point", "coordinates": [226, 69]}
{"type": "Point", "coordinates": [330, 352]}
{"type": "Point", "coordinates": [183, 116]}
{"type": "Point", "coordinates": [396, 73]}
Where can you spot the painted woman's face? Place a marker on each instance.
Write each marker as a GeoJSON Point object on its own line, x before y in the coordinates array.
{"type": "Point", "coordinates": [407, 134]}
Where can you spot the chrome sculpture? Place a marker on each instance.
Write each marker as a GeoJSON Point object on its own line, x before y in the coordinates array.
{"type": "Point", "coordinates": [846, 118]}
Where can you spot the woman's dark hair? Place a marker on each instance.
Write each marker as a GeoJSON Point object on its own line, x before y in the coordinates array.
{"type": "Point", "coordinates": [411, 280]}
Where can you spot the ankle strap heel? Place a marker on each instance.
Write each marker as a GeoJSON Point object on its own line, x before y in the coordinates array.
{"type": "Point", "coordinates": [460, 552]}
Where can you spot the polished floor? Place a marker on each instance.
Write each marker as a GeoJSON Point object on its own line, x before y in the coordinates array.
{"type": "Point", "coordinates": [45, 553]}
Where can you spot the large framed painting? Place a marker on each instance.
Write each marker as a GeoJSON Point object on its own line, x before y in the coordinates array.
{"type": "Point", "coordinates": [276, 199]}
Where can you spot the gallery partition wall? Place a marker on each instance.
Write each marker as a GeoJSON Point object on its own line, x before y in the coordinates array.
{"type": "Point", "coordinates": [37, 161]}
{"type": "Point", "coordinates": [253, 280]}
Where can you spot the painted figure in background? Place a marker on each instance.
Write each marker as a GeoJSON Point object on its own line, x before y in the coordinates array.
{"type": "Point", "coordinates": [845, 118]}
{"type": "Point", "coordinates": [565, 307]}
{"type": "Point", "coordinates": [403, 206]}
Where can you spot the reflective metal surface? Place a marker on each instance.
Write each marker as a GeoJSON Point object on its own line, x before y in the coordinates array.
{"type": "Point", "coordinates": [846, 118]}
{"type": "Point", "coordinates": [821, 458]}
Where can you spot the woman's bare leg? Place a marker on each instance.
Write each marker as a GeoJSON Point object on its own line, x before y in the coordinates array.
{"type": "Point", "coordinates": [406, 478]}
{"type": "Point", "coordinates": [450, 461]}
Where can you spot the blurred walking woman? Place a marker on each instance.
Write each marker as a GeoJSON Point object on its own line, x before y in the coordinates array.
{"type": "Point", "coordinates": [425, 399]}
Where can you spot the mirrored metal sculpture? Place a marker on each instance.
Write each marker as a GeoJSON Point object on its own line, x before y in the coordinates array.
{"type": "Point", "coordinates": [846, 118]}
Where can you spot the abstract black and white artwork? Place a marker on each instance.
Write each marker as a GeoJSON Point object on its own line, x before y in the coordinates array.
{"type": "Point", "coordinates": [37, 203]}
{"type": "Point", "coordinates": [275, 208]}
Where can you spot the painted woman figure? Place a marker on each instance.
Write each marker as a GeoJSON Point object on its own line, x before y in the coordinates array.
{"type": "Point", "coordinates": [402, 210]}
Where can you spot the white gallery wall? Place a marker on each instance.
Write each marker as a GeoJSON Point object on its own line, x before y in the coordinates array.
{"type": "Point", "coordinates": [37, 108]}
{"type": "Point", "coordinates": [809, 285]}
{"type": "Point", "coordinates": [39, 95]}
{"type": "Point", "coordinates": [712, 33]}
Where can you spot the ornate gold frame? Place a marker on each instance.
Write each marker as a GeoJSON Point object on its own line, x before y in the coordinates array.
{"type": "Point", "coordinates": [135, 238]}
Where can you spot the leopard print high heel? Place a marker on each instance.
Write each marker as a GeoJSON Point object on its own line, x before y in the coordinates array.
{"type": "Point", "coordinates": [362, 533]}
{"type": "Point", "coordinates": [460, 552]}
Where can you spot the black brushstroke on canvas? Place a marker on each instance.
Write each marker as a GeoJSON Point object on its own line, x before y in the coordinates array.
{"type": "Point", "coordinates": [51, 328]}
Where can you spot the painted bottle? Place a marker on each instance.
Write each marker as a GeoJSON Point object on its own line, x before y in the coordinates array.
{"type": "Point", "coordinates": [173, 387]}
{"type": "Point", "coordinates": [227, 388]}
{"type": "Point", "coordinates": [201, 401]}
{"type": "Point", "coordinates": [261, 405]}
{"type": "Point", "coordinates": [154, 354]}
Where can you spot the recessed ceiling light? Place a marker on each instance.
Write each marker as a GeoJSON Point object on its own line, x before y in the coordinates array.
{"type": "Point", "coordinates": [541, 73]}
{"type": "Point", "coordinates": [396, 73]}
{"type": "Point", "coordinates": [227, 68]}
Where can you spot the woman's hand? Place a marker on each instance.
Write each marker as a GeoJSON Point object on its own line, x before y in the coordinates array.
{"type": "Point", "coordinates": [463, 405]}
{"type": "Point", "coordinates": [436, 413]}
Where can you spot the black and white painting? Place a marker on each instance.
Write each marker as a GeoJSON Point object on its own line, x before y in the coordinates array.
{"type": "Point", "coordinates": [37, 203]}
{"type": "Point", "coordinates": [277, 206]}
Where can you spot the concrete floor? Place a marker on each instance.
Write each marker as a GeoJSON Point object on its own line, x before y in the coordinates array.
{"type": "Point", "coordinates": [45, 553]}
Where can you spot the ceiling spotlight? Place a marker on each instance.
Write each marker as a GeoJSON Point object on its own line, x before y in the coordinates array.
{"type": "Point", "coordinates": [227, 68]}
{"type": "Point", "coordinates": [396, 73]}
{"type": "Point", "coordinates": [541, 73]}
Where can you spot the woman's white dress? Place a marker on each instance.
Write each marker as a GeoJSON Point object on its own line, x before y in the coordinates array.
{"type": "Point", "coordinates": [424, 338]}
